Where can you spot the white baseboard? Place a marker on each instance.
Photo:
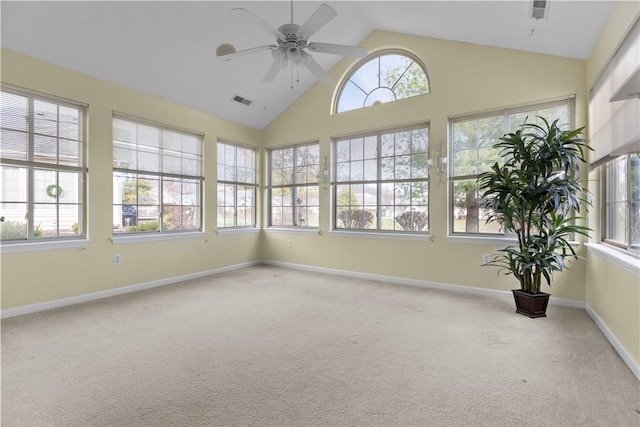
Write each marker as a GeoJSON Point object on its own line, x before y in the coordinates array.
{"type": "Point", "coordinates": [47, 305]}
{"type": "Point", "coordinates": [617, 345]}
{"type": "Point", "coordinates": [421, 283]}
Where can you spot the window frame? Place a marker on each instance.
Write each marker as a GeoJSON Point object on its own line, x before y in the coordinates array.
{"type": "Point", "coordinates": [236, 184]}
{"type": "Point", "coordinates": [376, 56]}
{"type": "Point", "coordinates": [379, 182]}
{"type": "Point", "coordinates": [608, 183]}
{"type": "Point", "coordinates": [531, 110]}
{"type": "Point", "coordinates": [294, 186]}
{"type": "Point", "coordinates": [160, 176]}
{"type": "Point", "coordinates": [30, 166]}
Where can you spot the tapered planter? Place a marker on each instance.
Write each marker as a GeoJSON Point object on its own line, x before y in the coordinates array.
{"type": "Point", "coordinates": [531, 305]}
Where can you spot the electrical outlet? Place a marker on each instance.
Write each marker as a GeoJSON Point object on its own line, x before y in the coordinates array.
{"type": "Point", "coordinates": [117, 259]}
{"type": "Point", "coordinates": [486, 259]}
{"type": "Point", "coordinates": [289, 244]}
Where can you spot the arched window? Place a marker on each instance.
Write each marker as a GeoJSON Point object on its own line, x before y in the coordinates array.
{"type": "Point", "coordinates": [387, 76]}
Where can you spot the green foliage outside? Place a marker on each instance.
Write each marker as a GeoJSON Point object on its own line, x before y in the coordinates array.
{"type": "Point", "coordinates": [137, 192]}
{"type": "Point", "coordinates": [143, 226]}
{"type": "Point", "coordinates": [347, 198]}
{"type": "Point", "coordinates": [14, 230]}
{"type": "Point", "coordinates": [413, 82]}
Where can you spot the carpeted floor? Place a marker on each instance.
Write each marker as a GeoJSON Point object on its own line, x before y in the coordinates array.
{"type": "Point", "coordinates": [272, 346]}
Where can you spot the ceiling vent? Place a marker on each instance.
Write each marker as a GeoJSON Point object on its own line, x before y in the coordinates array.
{"type": "Point", "coordinates": [539, 9]}
{"type": "Point", "coordinates": [242, 100]}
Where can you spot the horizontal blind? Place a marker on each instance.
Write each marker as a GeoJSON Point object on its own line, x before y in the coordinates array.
{"type": "Point", "coordinates": [143, 147]}
{"type": "Point", "coordinates": [614, 107]}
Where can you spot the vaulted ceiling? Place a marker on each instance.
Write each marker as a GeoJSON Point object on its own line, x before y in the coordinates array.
{"type": "Point", "coordinates": [167, 48]}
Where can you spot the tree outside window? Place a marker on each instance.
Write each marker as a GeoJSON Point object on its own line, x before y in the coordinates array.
{"type": "Point", "coordinates": [472, 152]}
{"type": "Point", "coordinates": [294, 196]}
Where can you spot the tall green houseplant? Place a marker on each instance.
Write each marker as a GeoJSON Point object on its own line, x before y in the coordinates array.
{"type": "Point", "coordinates": [537, 195]}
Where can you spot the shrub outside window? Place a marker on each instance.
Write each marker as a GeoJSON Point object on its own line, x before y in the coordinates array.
{"type": "Point", "coordinates": [236, 205]}
{"type": "Point", "coordinates": [157, 178]}
{"type": "Point", "coordinates": [294, 196]}
{"type": "Point", "coordinates": [622, 202]}
{"type": "Point", "coordinates": [472, 151]}
{"type": "Point", "coordinates": [381, 181]}
{"type": "Point", "coordinates": [388, 76]}
{"type": "Point", "coordinates": [43, 171]}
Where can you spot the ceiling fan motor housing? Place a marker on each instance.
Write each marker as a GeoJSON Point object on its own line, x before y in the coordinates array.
{"type": "Point", "coordinates": [291, 41]}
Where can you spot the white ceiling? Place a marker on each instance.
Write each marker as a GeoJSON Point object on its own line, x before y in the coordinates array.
{"type": "Point", "coordinates": [167, 48]}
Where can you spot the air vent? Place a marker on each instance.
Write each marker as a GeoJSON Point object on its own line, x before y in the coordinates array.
{"type": "Point", "coordinates": [539, 9]}
{"type": "Point", "coordinates": [242, 100]}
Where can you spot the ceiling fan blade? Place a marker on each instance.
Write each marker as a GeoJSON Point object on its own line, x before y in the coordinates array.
{"type": "Point", "coordinates": [260, 22]}
{"type": "Point", "coordinates": [320, 17]}
{"type": "Point", "coordinates": [233, 55]}
{"type": "Point", "coordinates": [315, 68]}
{"type": "Point", "coordinates": [338, 49]}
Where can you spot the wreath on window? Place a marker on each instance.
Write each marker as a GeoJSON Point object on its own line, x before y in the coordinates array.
{"type": "Point", "coordinates": [54, 191]}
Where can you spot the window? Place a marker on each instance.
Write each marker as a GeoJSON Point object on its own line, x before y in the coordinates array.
{"type": "Point", "coordinates": [157, 178]}
{"type": "Point", "coordinates": [293, 186]}
{"type": "Point", "coordinates": [381, 181]}
{"type": "Point", "coordinates": [388, 76]}
{"type": "Point", "coordinates": [622, 202]}
{"type": "Point", "coordinates": [43, 171]}
{"type": "Point", "coordinates": [236, 186]}
{"type": "Point", "coordinates": [472, 152]}
{"type": "Point", "coordinates": [615, 136]}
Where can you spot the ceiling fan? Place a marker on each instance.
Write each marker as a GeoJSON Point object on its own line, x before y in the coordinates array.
{"type": "Point", "coordinates": [292, 43]}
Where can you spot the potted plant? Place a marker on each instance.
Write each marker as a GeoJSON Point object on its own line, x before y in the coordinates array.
{"type": "Point", "coordinates": [536, 193]}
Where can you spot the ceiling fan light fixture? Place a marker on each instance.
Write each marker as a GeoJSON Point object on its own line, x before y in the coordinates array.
{"type": "Point", "coordinates": [293, 52]}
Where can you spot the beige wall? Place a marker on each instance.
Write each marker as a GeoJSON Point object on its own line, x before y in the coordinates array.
{"type": "Point", "coordinates": [464, 78]}
{"type": "Point", "coordinates": [612, 292]}
{"type": "Point", "coordinates": [32, 277]}
{"type": "Point", "coordinates": [618, 23]}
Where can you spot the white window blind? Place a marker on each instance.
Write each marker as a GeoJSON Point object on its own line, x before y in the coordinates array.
{"type": "Point", "coordinates": [615, 103]}
{"type": "Point", "coordinates": [148, 148]}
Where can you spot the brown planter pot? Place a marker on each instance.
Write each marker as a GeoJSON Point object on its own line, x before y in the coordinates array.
{"type": "Point", "coordinates": [531, 305]}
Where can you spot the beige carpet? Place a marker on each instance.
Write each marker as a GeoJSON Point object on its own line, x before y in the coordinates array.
{"type": "Point", "coordinates": [271, 346]}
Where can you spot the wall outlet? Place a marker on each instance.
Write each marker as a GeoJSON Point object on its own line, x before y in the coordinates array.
{"type": "Point", "coordinates": [486, 259]}
{"type": "Point", "coordinates": [117, 259]}
{"type": "Point", "coordinates": [289, 244]}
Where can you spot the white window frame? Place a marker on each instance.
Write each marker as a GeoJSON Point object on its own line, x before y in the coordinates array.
{"type": "Point", "coordinates": [234, 183]}
{"type": "Point", "coordinates": [380, 86]}
{"type": "Point", "coordinates": [161, 176]}
{"type": "Point", "coordinates": [619, 173]}
{"type": "Point", "coordinates": [295, 185]}
{"type": "Point", "coordinates": [531, 111]}
{"type": "Point", "coordinates": [30, 165]}
{"type": "Point", "coordinates": [379, 182]}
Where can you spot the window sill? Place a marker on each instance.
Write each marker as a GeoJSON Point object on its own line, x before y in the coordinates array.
{"type": "Point", "coordinates": [9, 248]}
{"type": "Point", "coordinates": [383, 236]}
{"type": "Point", "coordinates": [120, 240]}
{"type": "Point", "coordinates": [298, 230]}
{"type": "Point", "coordinates": [617, 256]}
{"type": "Point", "coordinates": [491, 240]}
{"type": "Point", "coordinates": [482, 240]}
{"type": "Point", "coordinates": [233, 231]}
